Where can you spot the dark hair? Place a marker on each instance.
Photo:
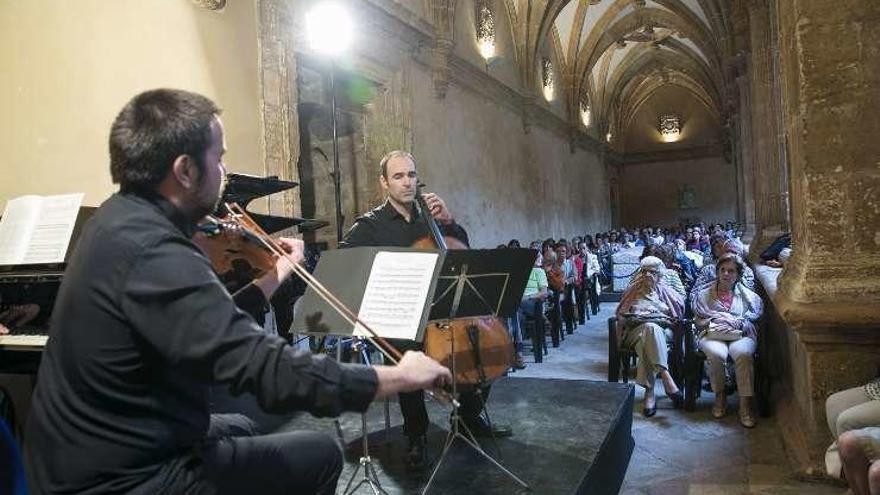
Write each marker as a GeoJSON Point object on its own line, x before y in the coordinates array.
{"type": "Point", "coordinates": [155, 128]}
{"type": "Point", "coordinates": [514, 243]}
{"type": "Point", "coordinates": [383, 163]}
{"type": "Point", "coordinates": [737, 261]}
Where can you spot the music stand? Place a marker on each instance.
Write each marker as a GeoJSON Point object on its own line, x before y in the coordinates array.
{"type": "Point", "coordinates": [478, 282]}
{"type": "Point", "coordinates": [349, 274]}
{"type": "Point", "coordinates": [370, 476]}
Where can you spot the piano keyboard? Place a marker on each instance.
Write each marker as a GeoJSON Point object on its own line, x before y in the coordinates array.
{"type": "Point", "coordinates": [23, 342]}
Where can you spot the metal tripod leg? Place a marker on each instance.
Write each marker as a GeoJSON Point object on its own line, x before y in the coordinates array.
{"type": "Point", "coordinates": [470, 440]}
{"type": "Point", "coordinates": [455, 432]}
{"type": "Point", "coordinates": [370, 476]}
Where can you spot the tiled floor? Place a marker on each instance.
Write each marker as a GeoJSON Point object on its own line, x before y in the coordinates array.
{"type": "Point", "coordinates": [678, 452]}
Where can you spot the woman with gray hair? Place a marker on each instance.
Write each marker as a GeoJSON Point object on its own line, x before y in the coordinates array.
{"type": "Point", "coordinates": [647, 311]}
{"type": "Point", "coordinates": [725, 313]}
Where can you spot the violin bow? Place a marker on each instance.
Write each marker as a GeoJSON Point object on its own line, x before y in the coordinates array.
{"type": "Point", "coordinates": [242, 218]}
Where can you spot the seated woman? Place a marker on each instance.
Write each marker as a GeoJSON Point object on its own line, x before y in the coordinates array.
{"type": "Point", "coordinates": [647, 311]}
{"type": "Point", "coordinates": [534, 294]}
{"type": "Point", "coordinates": [725, 313]}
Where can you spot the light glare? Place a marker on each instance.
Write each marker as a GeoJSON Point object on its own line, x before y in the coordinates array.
{"type": "Point", "coordinates": [329, 28]}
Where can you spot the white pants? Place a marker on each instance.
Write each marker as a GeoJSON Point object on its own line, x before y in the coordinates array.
{"type": "Point", "coordinates": [742, 351]}
{"type": "Point", "coordinates": [848, 410]}
{"type": "Point", "coordinates": [649, 342]}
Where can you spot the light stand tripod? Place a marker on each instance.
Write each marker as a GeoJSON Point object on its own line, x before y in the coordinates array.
{"type": "Point", "coordinates": [369, 477]}
{"type": "Point", "coordinates": [455, 430]}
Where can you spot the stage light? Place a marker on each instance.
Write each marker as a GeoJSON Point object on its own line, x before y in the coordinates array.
{"type": "Point", "coordinates": [329, 28]}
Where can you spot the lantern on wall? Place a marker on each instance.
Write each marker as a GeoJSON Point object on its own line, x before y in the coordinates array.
{"type": "Point", "coordinates": [485, 30]}
{"type": "Point", "coordinates": [547, 79]}
{"type": "Point", "coordinates": [670, 128]}
{"type": "Point", "coordinates": [586, 114]}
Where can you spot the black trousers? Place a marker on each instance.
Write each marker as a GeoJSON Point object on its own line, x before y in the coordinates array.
{"type": "Point", "coordinates": [594, 296]}
{"type": "Point", "coordinates": [412, 404]}
{"type": "Point", "coordinates": [233, 460]}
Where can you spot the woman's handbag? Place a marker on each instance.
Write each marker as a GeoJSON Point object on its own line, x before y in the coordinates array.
{"type": "Point", "coordinates": [714, 332]}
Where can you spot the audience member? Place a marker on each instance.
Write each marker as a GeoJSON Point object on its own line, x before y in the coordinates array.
{"type": "Point", "coordinates": [645, 316]}
{"type": "Point", "coordinates": [725, 313]}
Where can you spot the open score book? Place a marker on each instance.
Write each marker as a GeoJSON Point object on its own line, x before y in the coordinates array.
{"type": "Point", "coordinates": [37, 229]}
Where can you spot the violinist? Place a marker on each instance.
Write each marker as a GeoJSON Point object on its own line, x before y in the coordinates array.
{"type": "Point", "coordinates": [398, 223]}
{"type": "Point", "coordinates": [142, 326]}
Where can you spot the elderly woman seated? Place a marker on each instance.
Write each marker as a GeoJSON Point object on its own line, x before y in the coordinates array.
{"type": "Point", "coordinates": [647, 311]}
{"type": "Point", "coordinates": [725, 313]}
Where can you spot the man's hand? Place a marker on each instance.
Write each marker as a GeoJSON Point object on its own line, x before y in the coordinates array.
{"type": "Point", "coordinates": [294, 249]}
{"type": "Point", "coordinates": [438, 208]}
{"type": "Point", "coordinates": [3, 329]}
{"type": "Point", "coordinates": [415, 371]}
{"type": "Point", "coordinates": [269, 282]}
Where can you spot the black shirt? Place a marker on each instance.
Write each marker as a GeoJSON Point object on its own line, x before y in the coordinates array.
{"type": "Point", "coordinates": [141, 327]}
{"type": "Point", "coordinates": [385, 226]}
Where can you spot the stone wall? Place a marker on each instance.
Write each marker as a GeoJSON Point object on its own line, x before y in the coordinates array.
{"type": "Point", "coordinates": [829, 292]}
{"type": "Point", "coordinates": [659, 193]}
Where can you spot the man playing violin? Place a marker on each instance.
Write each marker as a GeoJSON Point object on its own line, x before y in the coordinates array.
{"type": "Point", "coordinates": [398, 222]}
{"type": "Point", "coordinates": [142, 327]}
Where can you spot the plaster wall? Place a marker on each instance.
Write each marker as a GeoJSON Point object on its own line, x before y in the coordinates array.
{"type": "Point", "coordinates": [650, 192]}
{"type": "Point", "coordinates": [499, 182]}
{"type": "Point", "coordinates": [69, 67]}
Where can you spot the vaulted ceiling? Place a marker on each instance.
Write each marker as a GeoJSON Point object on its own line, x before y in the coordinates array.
{"type": "Point", "coordinates": [615, 56]}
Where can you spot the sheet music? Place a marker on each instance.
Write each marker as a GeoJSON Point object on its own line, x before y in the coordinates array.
{"type": "Point", "coordinates": [396, 293]}
{"type": "Point", "coordinates": [37, 229]}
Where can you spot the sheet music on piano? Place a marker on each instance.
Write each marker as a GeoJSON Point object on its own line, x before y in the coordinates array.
{"type": "Point", "coordinates": [37, 229]}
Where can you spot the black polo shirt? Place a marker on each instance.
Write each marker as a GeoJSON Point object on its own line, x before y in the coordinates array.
{"type": "Point", "coordinates": [385, 226]}
{"type": "Point", "coordinates": [141, 328]}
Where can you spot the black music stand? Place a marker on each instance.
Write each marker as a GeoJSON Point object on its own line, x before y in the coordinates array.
{"type": "Point", "coordinates": [477, 282]}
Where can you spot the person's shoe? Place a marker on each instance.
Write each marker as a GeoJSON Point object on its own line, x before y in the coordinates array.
{"type": "Point", "coordinates": [745, 412]}
{"type": "Point", "coordinates": [480, 428]}
{"type": "Point", "coordinates": [719, 409]}
{"type": "Point", "coordinates": [518, 363]}
{"type": "Point", "coordinates": [416, 455]}
{"type": "Point", "coordinates": [677, 400]}
{"type": "Point", "coordinates": [745, 418]}
{"type": "Point", "coordinates": [647, 410]}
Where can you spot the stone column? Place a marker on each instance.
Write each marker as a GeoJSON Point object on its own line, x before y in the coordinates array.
{"type": "Point", "coordinates": [770, 218]}
{"type": "Point", "coordinates": [278, 97]}
{"type": "Point", "coordinates": [829, 293]}
{"type": "Point", "coordinates": [746, 159]}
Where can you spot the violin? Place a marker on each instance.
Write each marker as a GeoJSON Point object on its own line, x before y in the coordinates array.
{"type": "Point", "coordinates": [483, 347]}
{"type": "Point", "coordinates": [232, 249]}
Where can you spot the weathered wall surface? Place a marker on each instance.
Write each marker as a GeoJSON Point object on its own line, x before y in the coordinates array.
{"type": "Point", "coordinates": [69, 67]}
{"type": "Point", "coordinates": [654, 193]}
{"type": "Point", "coordinates": [500, 182]}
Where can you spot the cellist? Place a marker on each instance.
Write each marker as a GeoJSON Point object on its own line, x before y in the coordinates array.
{"type": "Point", "coordinates": [397, 222]}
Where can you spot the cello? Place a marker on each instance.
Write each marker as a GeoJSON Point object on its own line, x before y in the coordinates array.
{"type": "Point", "coordinates": [483, 347]}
